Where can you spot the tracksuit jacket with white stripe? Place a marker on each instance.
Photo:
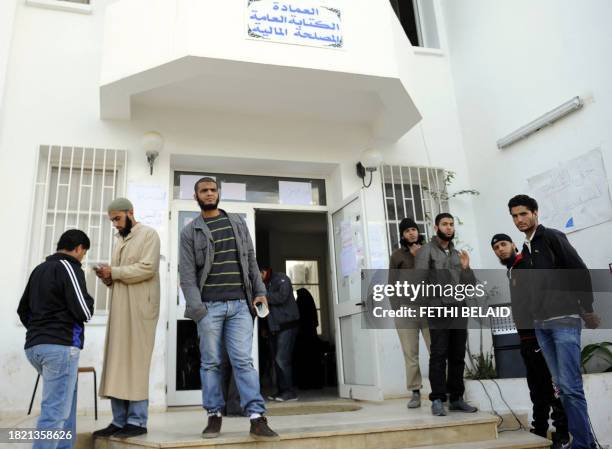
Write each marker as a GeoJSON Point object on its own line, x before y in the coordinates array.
{"type": "Point", "coordinates": [55, 304]}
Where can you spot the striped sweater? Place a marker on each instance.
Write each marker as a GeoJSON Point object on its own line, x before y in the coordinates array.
{"type": "Point", "coordinates": [224, 282]}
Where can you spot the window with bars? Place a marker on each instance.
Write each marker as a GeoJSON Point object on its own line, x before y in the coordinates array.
{"type": "Point", "coordinates": [415, 192]}
{"type": "Point", "coordinates": [73, 187]}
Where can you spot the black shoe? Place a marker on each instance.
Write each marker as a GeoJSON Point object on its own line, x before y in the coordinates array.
{"type": "Point", "coordinates": [286, 397]}
{"type": "Point", "coordinates": [108, 431]}
{"type": "Point", "coordinates": [540, 432]}
{"type": "Point", "coordinates": [213, 428]}
{"type": "Point", "coordinates": [260, 429]}
{"type": "Point", "coordinates": [461, 406]}
{"type": "Point", "coordinates": [130, 431]}
{"type": "Point", "coordinates": [560, 441]}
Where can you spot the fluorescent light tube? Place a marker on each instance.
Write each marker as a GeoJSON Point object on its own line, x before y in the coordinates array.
{"type": "Point", "coordinates": [541, 122]}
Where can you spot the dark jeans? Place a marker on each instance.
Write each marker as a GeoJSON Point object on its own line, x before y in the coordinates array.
{"type": "Point", "coordinates": [560, 343]}
{"type": "Point", "coordinates": [541, 390]}
{"type": "Point", "coordinates": [447, 346]}
{"type": "Point", "coordinates": [283, 343]}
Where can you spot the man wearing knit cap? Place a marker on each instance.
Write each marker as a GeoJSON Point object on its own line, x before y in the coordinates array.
{"type": "Point", "coordinates": [539, 381]}
{"type": "Point", "coordinates": [133, 278]}
{"type": "Point", "coordinates": [408, 332]}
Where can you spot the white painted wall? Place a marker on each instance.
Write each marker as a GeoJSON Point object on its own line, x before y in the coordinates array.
{"type": "Point", "coordinates": [516, 395]}
{"type": "Point", "coordinates": [509, 67]}
{"type": "Point", "coordinates": [52, 97]}
{"type": "Point", "coordinates": [7, 18]}
{"type": "Point", "coordinates": [170, 30]}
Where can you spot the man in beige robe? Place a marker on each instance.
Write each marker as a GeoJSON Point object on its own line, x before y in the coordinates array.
{"type": "Point", "coordinates": [133, 278]}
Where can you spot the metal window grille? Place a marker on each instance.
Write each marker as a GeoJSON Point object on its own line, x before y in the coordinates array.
{"type": "Point", "coordinates": [73, 187]}
{"type": "Point", "coordinates": [416, 192]}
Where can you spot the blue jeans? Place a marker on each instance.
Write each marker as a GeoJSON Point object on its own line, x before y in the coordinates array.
{"type": "Point", "coordinates": [283, 343]}
{"type": "Point", "coordinates": [228, 322]}
{"type": "Point", "coordinates": [58, 365]}
{"type": "Point", "coordinates": [125, 412]}
{"type": "Point", "coordinates": [560, 343]}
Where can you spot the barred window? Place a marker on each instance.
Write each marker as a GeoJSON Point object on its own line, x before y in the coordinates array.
{"type": "Point", "coordinates": [73, 187]}
{"type": "Point", "coordinates": [415, 192]}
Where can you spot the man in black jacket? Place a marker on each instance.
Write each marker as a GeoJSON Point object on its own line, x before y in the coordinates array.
{"type": "Point", "coordinates": [54, 307]}
{"type": "Point", "coordinates": [283, 323]}
{"type": "Point", "coordinates": [539, 381]}
{"type": "Point", "coordinates": [560, 297]}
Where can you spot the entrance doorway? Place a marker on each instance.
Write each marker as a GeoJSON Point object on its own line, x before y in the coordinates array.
{"type": "Point", "coordinates": [297, 244]}
{"type": "Point", "coordinates": [183, 360]}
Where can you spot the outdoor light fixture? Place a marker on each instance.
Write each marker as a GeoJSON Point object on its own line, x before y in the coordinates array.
{"type": "Point", "coordinates": [541, 122]}
{"type": "Point", "coordinates": [152, 142]}
{"type": "Point", "coordinates": [368, 163]}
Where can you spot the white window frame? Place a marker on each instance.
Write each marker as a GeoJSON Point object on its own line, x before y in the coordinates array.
{"type": "Point", "coordinates": [94, 159]}
{"type": "Point", "coordinates": [62, 5]}
{"type": "Point", "coordinates": [320, 330]}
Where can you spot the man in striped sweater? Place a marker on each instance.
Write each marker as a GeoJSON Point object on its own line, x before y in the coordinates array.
{"type": "Point", "coordinates": [222, 286]}
{"type": "Point", "coordinates": [54, 307]}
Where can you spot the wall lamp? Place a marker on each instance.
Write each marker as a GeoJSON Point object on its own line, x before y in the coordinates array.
{"type": "Point", "coordinates": [152, 143]}
{"type": "Point", "coordinates": [369, 162]}
{"type": "Point", "coordinates": [541, 122]}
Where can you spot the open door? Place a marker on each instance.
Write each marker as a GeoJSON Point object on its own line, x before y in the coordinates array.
{"type": "Point", "coordinates": [358, 244]}
{"type": "Point", "coordinates": [183, 372]}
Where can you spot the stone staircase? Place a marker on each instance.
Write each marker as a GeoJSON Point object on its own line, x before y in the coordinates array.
{"type": "Point", "coordinates": [387, 425]}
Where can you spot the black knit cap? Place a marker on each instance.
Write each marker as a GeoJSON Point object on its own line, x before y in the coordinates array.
{"type": "Point", "coordinates": [408, 223]}
{"type": "Point", "coordinates": [500, 238]}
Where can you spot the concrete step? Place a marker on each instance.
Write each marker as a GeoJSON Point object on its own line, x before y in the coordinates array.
{"type": "Point", "coordinates": [390, 433]}
{"type": "Point", "coordinates": [506, 440]}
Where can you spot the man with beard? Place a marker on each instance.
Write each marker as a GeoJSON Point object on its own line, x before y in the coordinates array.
{"type": "Point", "coordinates": [408, 330]}
{"type": "Point", "coordinates": [133, 278]}
{"type": "Point", "coordinates": [222, 287]}
{"type": "Point", "coordinates": [438, 263]}
{"type": "Point", "coordinates": [561, 296]}
{"type": "Point", "coordinates": [541, 389]}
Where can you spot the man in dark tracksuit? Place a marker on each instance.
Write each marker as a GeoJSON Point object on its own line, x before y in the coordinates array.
{"type": "Point", "coordinates": [539, 381]}
{"type": "Point", "coordinates": [283, 323]}
{"type": "Point", "coordinates": [53, 308]}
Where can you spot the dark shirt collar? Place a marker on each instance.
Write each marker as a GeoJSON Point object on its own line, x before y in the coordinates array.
{"type": "Point", "coordinates": [62, 256]}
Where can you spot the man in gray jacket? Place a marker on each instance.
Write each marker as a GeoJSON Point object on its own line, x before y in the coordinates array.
{"type": "Point", "coordinates": [439, 263]}
{"type": "Point", "coordinates": [222, 286]}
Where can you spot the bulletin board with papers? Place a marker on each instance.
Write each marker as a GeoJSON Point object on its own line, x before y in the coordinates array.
{"type": "Point", "coordinates": [575, 195]}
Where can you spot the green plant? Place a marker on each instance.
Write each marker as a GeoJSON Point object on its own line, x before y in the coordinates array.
{"type": "Point", "coordinates": [597, 350]}
{"type": "Point", "coordinates": [482, 367]}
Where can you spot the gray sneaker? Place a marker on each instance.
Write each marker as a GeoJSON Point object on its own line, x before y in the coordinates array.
{"type": "Point", "coordinates": [461, 406]}
{"type": "Point", "coordinates": [415, 401]}
{"type": "Point", "coordinates": [437, 408]}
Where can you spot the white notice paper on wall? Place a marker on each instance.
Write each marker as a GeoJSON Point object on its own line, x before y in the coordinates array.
{"type": "Point", "coordinates": [298, 193]}
{"type": "Point", "coordinates": [186, 183]}
{"type": "Point", "coordinates": [150, 203]}
{"type": "Point", "coordinates": [348, 254]}
{"type": "Point", "coordinates": [575, 194]}
{"type": "Point", "coordinates": [234, 191]}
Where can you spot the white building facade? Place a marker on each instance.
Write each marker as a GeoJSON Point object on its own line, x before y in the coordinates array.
{"type": "Point", "coordinates": [82, 82]}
